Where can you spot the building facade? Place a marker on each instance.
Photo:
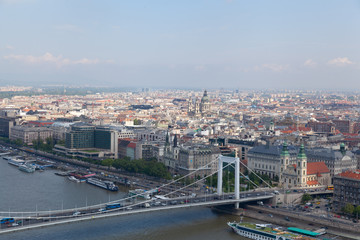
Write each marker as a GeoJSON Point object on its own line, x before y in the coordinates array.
{"type": "Point", "coordinates": [6, 123]}
{"type": "Point", "coordinates": [302, 174]}
{"type": "Point", "coordinates": [322, 127]}
{"type": "Point", "coordinates": [193, 158]}
{"type": "Point", "coordinates": [266, 159]}
{"type": "Point", "coordinates": [336, 160]}
{"type": "Point", "coordinates": [289, 164]}
{"type": "Point", "coordinates": [29, 134]}
{"type": "Point", "coordinates": [346, 189]}
{"type": "Point", "coordinates": [85, 140]}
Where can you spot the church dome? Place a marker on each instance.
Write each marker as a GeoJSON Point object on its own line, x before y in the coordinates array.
{"type": "Point", "coordinates": [205, 97]}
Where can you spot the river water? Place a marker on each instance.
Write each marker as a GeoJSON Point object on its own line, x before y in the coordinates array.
{"type": "Point", "coordinates": [22, 191]}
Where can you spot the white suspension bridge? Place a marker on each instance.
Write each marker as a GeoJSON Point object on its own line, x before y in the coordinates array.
{"type": "Point", "coordinates": [14, 221]}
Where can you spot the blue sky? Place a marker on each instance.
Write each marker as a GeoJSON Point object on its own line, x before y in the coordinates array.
{"type": "Point", "coordinates": [197, 43]}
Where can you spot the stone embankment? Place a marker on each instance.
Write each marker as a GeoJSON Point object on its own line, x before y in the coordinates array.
{"type": "Point", "coordinates": [292, 219]}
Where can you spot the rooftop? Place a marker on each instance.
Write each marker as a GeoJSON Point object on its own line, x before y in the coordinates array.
{"type": "Point", "coordinates": [316, 168]}
{"type": "Point", "coordinates": [351, 174]}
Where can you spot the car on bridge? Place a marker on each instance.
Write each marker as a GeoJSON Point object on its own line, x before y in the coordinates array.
{"type": "Point", "coordinates": [77, 213]}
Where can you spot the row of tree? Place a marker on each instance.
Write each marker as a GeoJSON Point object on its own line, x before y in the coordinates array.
{"type": "Point", "coordinates": [46, 145]}
{"type": "Point", "coordinates": [151, 168]}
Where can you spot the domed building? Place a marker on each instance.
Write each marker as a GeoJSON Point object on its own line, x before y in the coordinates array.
{"type": "Point", "coordinates": [197, 108]}
{"type": "Point", "coordinates": [205, 103]}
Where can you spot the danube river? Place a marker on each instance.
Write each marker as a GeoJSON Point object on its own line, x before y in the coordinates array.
{"type": "Point", "coordinates": [45, 191]}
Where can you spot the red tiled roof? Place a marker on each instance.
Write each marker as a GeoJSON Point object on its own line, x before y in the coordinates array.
{"type": "Point", "coordinates": [132, 145]}
{"type": "Point", "coordinates": [350, 174]}
{"type": "Point", "coordinates": [313, 182]}
{"type": "Point", "coordinates": [351, 134]}
{"type": "Point", "coordinates": [316, 168]}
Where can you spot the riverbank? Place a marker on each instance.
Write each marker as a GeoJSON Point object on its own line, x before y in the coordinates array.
{"type": "Point", "coordinates": [69, 164]}
{"type": "Point", "coordinates": [290, 219]}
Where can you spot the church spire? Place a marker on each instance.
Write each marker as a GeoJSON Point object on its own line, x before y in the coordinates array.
{"type": "Point", "coordinates": [175, 140]}
{"type": "Point", "coordinates": [285, 151]}
{"type": "Point", "coordinates": [342, 148]}
{"type": "Point", "coordinates": [167, 141]}
{"type": "Point", "coordinates": [302, 154]}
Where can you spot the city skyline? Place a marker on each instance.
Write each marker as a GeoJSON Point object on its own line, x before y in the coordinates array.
{"type": "Point", "coordinates": [203, 44]}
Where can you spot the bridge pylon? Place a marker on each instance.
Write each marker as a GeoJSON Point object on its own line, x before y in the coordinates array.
{"type": "Point", "coordinates": [235, 160]}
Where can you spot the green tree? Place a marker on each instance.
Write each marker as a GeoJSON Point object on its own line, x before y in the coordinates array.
{"type": "Point", "coordinates": [276, 178]}
{"type": "Point", "coordinates": [357, 211]}
{"type": "Point", "coordinates": [151, 168]}
{"type": "Point", "coordinates": [348, 209]}
{"type": "Point", "coordinates": [45, 146]}
{"type": "Point", "coordinates": [305, 198]}
{"type": "Point", "coordinates": [18, 142]}
{"type": "Point", "coordinates": [107, 162]}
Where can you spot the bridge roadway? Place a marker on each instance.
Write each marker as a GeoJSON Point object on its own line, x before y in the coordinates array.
{"type": "Point", "coordinates": [65, 216]}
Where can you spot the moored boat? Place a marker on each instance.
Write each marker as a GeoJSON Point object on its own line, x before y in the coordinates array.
{"type": "Point", "coordinates": [265, 232]}
{"type": "Point", "coordinates": [103, 184]}
{"type": "Point", "coordinates": [27, 168]}
{"type": "Point", "coordinates": [15, 162]}
{"type": "Point", "coordinates": [74, 179]}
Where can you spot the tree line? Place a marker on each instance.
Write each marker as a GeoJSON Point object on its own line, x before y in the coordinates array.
{"type": "Point", "coordinates": [148, 167]}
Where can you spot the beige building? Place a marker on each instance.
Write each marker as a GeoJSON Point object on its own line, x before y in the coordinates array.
{"type": "Point", "coordinates": [194, 158]}
{"type": "Point", "coordinates": [28, 134]}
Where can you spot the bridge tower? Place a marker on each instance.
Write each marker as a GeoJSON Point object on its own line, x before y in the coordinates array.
{"type": "Point", "coordinates": [235, 160]}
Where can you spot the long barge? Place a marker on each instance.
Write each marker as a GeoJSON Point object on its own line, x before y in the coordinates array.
{"type": "Point", "coordinates": [266, 232]}
{"type": "Point", "coordinates": [103, 184]}
{"type": "Point", "coordinates": [14, 161]}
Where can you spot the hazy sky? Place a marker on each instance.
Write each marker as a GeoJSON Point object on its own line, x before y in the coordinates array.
{"type": "Point", "coordinates": [195, 43]}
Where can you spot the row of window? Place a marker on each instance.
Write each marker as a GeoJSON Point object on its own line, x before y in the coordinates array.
{"type": "Point", "coordinates": [254, 235]}
{"type": "Point", "coordinates": [265, 166]}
